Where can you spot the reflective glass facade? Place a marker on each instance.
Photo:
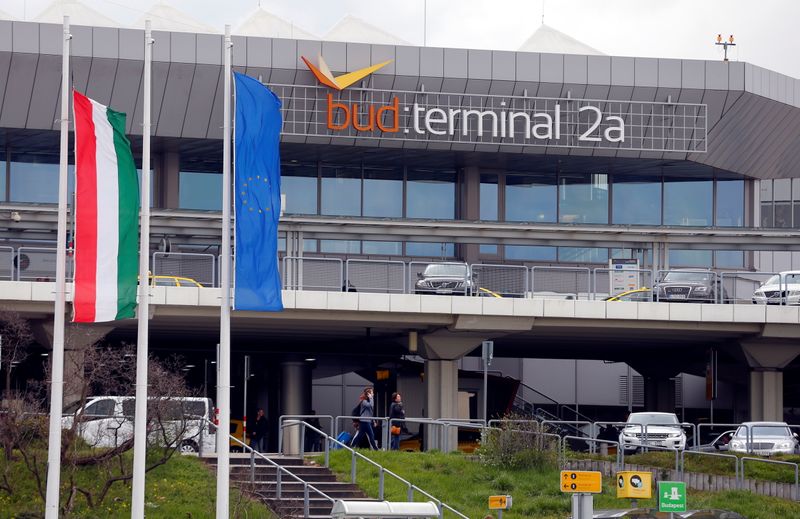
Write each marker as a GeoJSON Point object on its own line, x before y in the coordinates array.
{"type": "Point", "coordinates": [636, 200]}
{"type": "Point", "coordinates": [583, 198]}
{"type": "Point", "coordinates": [530, 198]}
{"type": "Point", "coordinates": [688, 202]}
{"type": "Point", "coordinates": [200, 191]}
{"type": "Point", "coordinates": [780, 203]}
{"type": "Point", "coordinates": [431, 194]}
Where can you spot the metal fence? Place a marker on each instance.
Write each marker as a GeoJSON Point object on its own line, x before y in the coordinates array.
{"type": "Point", "coordinates": [609, 282]}
{"type": "Point", "coordinates": [6, 263]}
{"type": "Point", "coordinates": [504, 280]}
{"type": "Point", "coordinates": [313, 274]}
{"type": "Point", "coordinates": [200, 267]}
{"type": "Point", "coordinates": [560, 282]}
{"type": "Point", "coordinates": [740, 287]}
{"type": "Point", "coordinates": [39, 264]}
{"type": "Point", "coordinates": [375, 276]}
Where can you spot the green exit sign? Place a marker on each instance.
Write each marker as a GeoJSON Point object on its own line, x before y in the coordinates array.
{"type": "Point", "coordinates": [671, 496]}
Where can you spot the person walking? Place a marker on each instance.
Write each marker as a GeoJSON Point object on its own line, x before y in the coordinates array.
{"type": "Point", "coordinates": [259, 438]}
{"type": "Point", "coordinates": [366, 411]}
{"type": "Point", "coordinates": [396, 416]}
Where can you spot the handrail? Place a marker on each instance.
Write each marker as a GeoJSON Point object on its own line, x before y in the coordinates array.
{"type": "Point", "coordinates": [296, 416]}
{"type": "Point", "coordinates": [777, 462]}
{"type": "Point", "coordinates": [382, 471]}
{"type": "Point", "coordinates": [279, 469]}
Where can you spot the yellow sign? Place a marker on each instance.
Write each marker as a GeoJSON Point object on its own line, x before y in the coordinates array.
{"type": "Point", "coordinates": [499, 502]}
{"type": "Point", "coordinates": [581, 481]}
{"type": "Point", "coordinates": [634, 485]}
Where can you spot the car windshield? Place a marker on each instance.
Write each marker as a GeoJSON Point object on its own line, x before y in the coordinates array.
{"type": "Point", "coordinates": [449, 270]}
{"type": "Point", "coordinates": [653, 418]}
{"type": "Point", "coordinates": [788, 279]}
{"type": "Point", "coordinates": [702, 277]}
{"type": "Point", "coordinates": [777, 430]}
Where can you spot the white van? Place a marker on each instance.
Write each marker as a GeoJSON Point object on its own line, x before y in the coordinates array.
{"type": "Point", "coordinates": [107, 421]}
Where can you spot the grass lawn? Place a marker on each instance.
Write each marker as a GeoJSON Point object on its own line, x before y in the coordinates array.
{"type": "Point", "coordinates": [183, 488]}
{"type": "Point", "coordinates": [465, 485]}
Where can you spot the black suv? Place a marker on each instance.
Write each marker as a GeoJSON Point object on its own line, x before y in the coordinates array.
{"type": "Point", "coordinates": [692, 286]}
{"type": "Point", "coordinates": [445, 279]}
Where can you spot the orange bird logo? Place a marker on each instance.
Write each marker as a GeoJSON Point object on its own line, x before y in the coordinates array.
{"type": "Point", "coordinates": [324, 75]}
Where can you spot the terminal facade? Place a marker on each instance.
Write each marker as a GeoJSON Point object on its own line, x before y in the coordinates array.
{"type": "Point", "coordinates": [515, 159]}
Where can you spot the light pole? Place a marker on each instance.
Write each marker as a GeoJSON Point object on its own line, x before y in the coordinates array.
{"type": "Point", "coordinates": [725, 44]}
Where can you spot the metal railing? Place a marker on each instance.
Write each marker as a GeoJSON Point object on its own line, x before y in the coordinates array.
{"type": "Point", "coordinates": [282, 418]}
{"type": "Point", "coordinates": [381, 276]}
{"type": "Point", "coordinates": [39, 264]}
{"type": "Point", "coordinates": [504, 280]}
{"type": "Point", "coordinates": [382, 471]}
{"type": "Point", "coordinates": [313, 274]}
{"type": "Point", "coordinates": [7, 263]}
{"type": "Point", "coordinates": [740, 287]}
{"type": "Point", "coordinates": [561, 283]}
{"type": "Point", "coordinates": [796, 495]}
{"type": "Point", "coordinates": [200, 267]}
{"type": "Point", "coordinates": [631, 279]}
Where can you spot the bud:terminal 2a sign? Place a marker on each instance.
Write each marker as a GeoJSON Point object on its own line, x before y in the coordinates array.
{"type": "Point", "coordinates": [367, 117]}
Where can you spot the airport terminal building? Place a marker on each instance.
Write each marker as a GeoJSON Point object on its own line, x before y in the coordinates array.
{"type": "Point", "coordinates": [540, 171]}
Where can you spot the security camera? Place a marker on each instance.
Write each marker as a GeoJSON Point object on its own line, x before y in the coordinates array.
{"type": "Point", "coordinates": [16, 216]}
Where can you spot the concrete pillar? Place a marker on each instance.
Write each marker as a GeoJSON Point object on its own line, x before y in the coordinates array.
{"type": "Point", "coordinates": [170, 173]}
{"type": "Point", "coordinates": [442, 351]}
{"type": "Point", "coordinates": [767, 358]}
{"type": "Point", "coordinates": [295, 399]}
{"type": "Point", "coordinates": [470, 209]}
{"type": "Point", "coordinates": [659, 394]}
{"type": "Point", "coordinates": [766, 396]}
{"type": "Point", "coordinates": [77, 338]}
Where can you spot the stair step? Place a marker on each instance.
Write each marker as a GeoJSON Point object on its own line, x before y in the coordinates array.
{"type": "Point", "coordinates": [324, 486]}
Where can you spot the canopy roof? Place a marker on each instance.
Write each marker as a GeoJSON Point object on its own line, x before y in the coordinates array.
{"type": "Point", "coordinates": [550, 40]}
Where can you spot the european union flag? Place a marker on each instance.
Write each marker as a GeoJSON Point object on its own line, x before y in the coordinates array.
{"type": "Point", "coordinates": [257, 192]}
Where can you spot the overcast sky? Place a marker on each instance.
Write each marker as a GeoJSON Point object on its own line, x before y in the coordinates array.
{"type": "Point", "coordinates": [765, 30]}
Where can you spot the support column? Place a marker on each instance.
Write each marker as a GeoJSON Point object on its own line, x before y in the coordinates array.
{"type": "Point", "coordinates": [170, 172]}
{"type": "Point", "coordinates": [470, 209]}
{"type": "Point", "coordinates": [295, 399]}
{"type": "Point", "coordinates": [77, 338]}
{"type": "Point", "coordinates": [767, 358]}
{"type": "Point", "coordinates": [441, 351]}
{"type": "Point", "coordinates": [659, 394]}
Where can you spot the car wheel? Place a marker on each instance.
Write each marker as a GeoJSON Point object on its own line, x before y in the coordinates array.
{"type": "Point", "coordinates": [188, 447]}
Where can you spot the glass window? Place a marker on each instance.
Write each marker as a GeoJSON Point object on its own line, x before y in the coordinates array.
{"type": "Point", "coordinates": [766, 190]}
{"type": "Point", "coordinates": [688, 202]}
{"type": "Point", "coordinates": [383, 248]}
{"type": "Point", "coordinates": [582, 255]}
{"type": "Point", "coordinates": [583, 198]}
{"type": "Point", "coordinates": [729, 258]}
{"type": "Point", "coordinates": [690, 258]}
{"type": "Point", "coordinates": [783, 215]}
{"type": "Point", "coordinates": [433, 250]}
{"type": "Point", "coordinates": [2, 179]}
{"type": "Point", "coordinates": [636, 200]}
{"type": "Point", "coordinates": [299, 184]}
{"type": "Point", "coordinates": [340, 246]}
{"type": "Point", "coordinates": [530, 252]}
{"type": "Point", "coordinates": [797, 215]}
{"type": "Point", "coordinates": [341, 191]}
{"type": "Point", "coordinates": [730, 203]}
{"type": "Point", "coordinates": [488, 250]}
{"type": "Point", "coordinates": [431, 194]}
{"type": "Point", "coordinates": [766, 214]}
{"type": "Point", "coordinates": [201, 191]}
{"type": "Point", "coordinates": [782, 189]}
{"type": "Point", "coordinates": [103, 408]}
{"type": "Point", "coordinates": [488, 197]}
{"type": "Point", "coordinates": [37, 182]}
{"type": "Point", "coordinates": [383, 192]}
{"type": "Point", "coordinates": [530, 198]}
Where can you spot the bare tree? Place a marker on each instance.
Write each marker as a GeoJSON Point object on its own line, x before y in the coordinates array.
{"type": "Point", "coordinates": [15, 338]}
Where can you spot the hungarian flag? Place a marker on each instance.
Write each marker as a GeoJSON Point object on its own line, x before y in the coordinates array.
{"type": "Point", "coordinates": [106, 215]}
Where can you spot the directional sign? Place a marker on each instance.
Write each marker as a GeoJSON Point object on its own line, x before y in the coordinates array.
{"type": "Point", "coordinates": [499, 502]}
{"type": "Point", "coordinates": [671, 496]}
{"type": "Point", "coordinates": [581, 481]}
{"type": "Point", "coordinates": [633, 484]}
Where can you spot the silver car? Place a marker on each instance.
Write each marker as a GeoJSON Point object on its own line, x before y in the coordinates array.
{"type": "Point", "coordinates": [765, 439]}
{"type": "Point", "coordinates": [660, 430]}
{"type": "Point", "coordinates": [780, 289]}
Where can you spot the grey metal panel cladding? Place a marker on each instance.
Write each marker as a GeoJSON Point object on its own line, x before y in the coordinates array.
{"type": "Point", "coordinates": [693, 74]}
{"type": "Point", "coordinates": [159, 72]}
{"type": "Point", "coordinates": [284, 61]}
{"type": "Point", "coordinates": [551, 68]}
{"type": "Point", "coordinates": [335, 53]}
{"type": "Point", "coordinates": [21, 75]}
{"type": "Point", "coordinates": [716, 75]}
{"type": "Point", "coordinates": [431, 62]}
{"type": "Point", "coordinates": [504, 65]}
{"type": "Point", "coordinates": [5, 36]}
{"type": "Point", "coordinates": [46, 91]}
{"type": "Point", "coordinates": [81, 43]}
{"type": "Point", "coordinates": [669, 73]}
{"type": "Point", "coordinates": [528, 67]}
{"type": "Point", "coordinates": [455, 63]}
{"type": "Point", "coordinates": [127, 88]}
{"type": "Point", "coordinates": [198, 112]}
{"type": "Point", "coordinates": [5, 63]}
{"type": "Point", "coordinates": [359, 56]}
{"type": "Point", "coordinates": [736, 75]}
{"type": "Point", "coordinates": [239, 51]}
{"type": "Point", "coordinates": [161, 47]}
{"type": "Point", "coordinates": [183, 47]}
{"type": "Point", "coordinates": [209, 49]}
{"type": "Point", "coordinates": [131, 44]}
{"type": "Point", "coordinates": [258, 52]}
{"type": "Point", "coordinates": [576, 69]}
{"type": "Point", "coordinates": [176, 98]}
{"type": "Point", "coordinates": [380, 53]}
{"type": "Point", "coordinates": [479, 64]}
{"type": "Point", "coordinates": [406, 61]}
{"type": "Point", "coordinates": [622, 71]}
{"type": "Point", "coordinates": [25, 37]}
{"type": "Point", "coordinates": [645, 72]}
{"type": "Point", "coordinates": [101, 79]}
{"type": "Point", "coordinates": [599, 70]}
{"type": "Point", "coordinates": [313, 49]}
{"type": "Point", "coordinates": [715, 99]}
{"type": "Point", "coordinates": [215, 124]}
{"type": "Point", "coordinates": [105, 42]}
{"type": "Point", "coordinates": [51, 39]}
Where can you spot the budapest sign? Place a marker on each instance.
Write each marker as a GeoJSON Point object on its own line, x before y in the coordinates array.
{"type": "Point", "coordinates": [338, 109]}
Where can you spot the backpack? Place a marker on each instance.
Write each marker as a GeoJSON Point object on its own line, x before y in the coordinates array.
{"type": "Point", "coordinates": [356, 410]}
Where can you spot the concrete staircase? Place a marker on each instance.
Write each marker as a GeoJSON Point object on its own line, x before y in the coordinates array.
{"type": "Point", "coordinates": [290, 504]}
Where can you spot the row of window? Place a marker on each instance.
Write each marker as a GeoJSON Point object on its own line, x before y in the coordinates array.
{"type": "Point", "coordinates": [780, 203]}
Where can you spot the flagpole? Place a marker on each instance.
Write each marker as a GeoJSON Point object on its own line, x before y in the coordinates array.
{"type": "Point", "coordinates": [224, 366]}
{"type": "Point", "coordinates": [52, 504]}
{"type": "Point", "coordinates": [142, 354]}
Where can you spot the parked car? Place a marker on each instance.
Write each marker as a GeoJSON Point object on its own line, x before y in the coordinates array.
{"type": "Point", "coordinates": [766, 439]}
{"type": "Point", "coordinates": [780, 289]}
{"type": "Point", "coordinates": [662, 430]}
{"type": "Point", "coordinates": [720, 443]}
{"type": "Point", "coordinates": [692, 286]}
{"type": "Point", "coordinates": [107, 421]}
{"type": "Point", "coordinates": [445, 279]}
{"type": "Point", "coordinates": [643, 294]}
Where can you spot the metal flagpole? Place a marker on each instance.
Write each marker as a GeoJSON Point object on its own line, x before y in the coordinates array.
{"type": "Point", "coordinates": [224, 366]}
{"type": "Point", "coordinates": [142, 353]}
{"type": "Point", "coordinates": [57, 360]}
